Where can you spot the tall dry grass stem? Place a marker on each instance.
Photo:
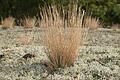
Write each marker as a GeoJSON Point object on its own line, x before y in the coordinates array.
{"type": "Point", "coordinates": [63, 37]}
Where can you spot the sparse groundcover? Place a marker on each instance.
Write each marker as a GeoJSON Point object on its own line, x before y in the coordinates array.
{"type": "Point", "coordinates": [98, 59]}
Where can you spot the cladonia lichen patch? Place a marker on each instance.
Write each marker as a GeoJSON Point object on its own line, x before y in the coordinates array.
{"type": "Point", "coordinates": [98, 59]}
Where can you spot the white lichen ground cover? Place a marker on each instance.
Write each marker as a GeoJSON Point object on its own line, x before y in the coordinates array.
{"type": "Point", "coordinates": [99, 58]}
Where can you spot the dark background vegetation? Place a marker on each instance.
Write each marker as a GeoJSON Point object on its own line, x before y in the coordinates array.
{"type": "Point", "coordinates": [107, 11]}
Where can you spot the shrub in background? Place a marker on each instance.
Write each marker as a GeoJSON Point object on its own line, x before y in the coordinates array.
{"type": "Point", "coordinates": [107, 10]}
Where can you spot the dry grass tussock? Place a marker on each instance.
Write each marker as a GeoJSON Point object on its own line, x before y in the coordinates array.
{"type": "Point", "coordinates": [92, 23]}
{"type": "Point", "coordinates": [29, 22]}
{"type": "Point", "coordinates": [8, 23]}
{"type": "Point", "coordinates": [115, 26]}
{"type": "Point", "coordinates": [62, 38]}
{"type": "Point", "coordinates": [24, 39]}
